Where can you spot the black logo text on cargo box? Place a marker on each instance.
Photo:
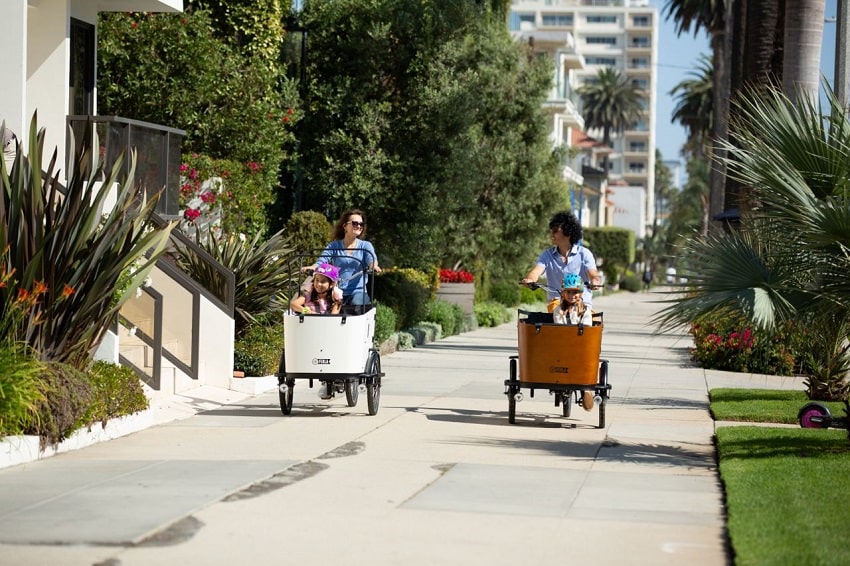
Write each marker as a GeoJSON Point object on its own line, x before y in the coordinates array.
{"type": "Point", "coordinates": [559, 369]}
{"type": "Point", "coordinates": [321, 361]}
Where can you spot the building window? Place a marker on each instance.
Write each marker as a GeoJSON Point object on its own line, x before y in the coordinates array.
{"type": "Point", "coordinates": [640, 21]}
{"type": "Point", "coordinates": [516, 20]}
{"type": "Point", "coordinates": [606, 61]}
{"type": "Point", "coordinates": [81, 77]}
{"type": "Point", "coordinates": [608, 19]}
{"type": "Point", "coordinates": [640, 42]}
{"type": "Point", "coordinates": [637, 146]}
{"type": "Point", "coordinates": [640, 83]}
{"type": "Point", "coordinates": [557, 20]}
{"type": "Point", "coordinates": [639, 63]}
{"type": "Point", "coordinates": [637, 167]}
{"type": "Point", "coordinates": [601, 40]}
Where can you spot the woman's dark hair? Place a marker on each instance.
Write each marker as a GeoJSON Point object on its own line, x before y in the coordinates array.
{"type": "Point", "coordinates": [569, 225]}
{"type": "Point", "coordinates": [339, 228]}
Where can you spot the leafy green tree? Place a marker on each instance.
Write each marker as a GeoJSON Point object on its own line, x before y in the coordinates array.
{"type": "Point", "coordinates": [181, 71]}
{"type": "Point", "coordinates": [789, 261]}
{"type": "Point", "coordinates": [437, 131]}
{"type": "Point", "coordinates": [610, 103]}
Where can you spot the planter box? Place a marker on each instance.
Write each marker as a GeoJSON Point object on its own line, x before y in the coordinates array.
{"type": "Point", "coordinates": [462, 294]}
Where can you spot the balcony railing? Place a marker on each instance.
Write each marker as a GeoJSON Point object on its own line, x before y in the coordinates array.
{"type": "Point", "coordinates": [158, 154]}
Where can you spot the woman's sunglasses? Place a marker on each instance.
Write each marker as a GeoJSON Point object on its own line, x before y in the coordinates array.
{"type": "Point", "coordinates": [357, 224]}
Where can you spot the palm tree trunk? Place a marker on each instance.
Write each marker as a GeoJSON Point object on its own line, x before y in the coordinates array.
{"type": "Point", "coordinates": [720, 45]}
{"type": "Point", "coordinates": [803, 38]}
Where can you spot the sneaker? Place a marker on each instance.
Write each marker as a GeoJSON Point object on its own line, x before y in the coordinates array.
{"type": "Point", "coordinates": [324, 393]}
{"type": "Point", "coordinates": [587, 400]}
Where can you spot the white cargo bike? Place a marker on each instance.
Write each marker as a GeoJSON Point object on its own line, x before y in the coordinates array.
{"type": "Point", "coordinates": [335, 350]}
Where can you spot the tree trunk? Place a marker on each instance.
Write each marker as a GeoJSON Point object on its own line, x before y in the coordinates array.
{"type": "Point", "coordinates": [720, 46]}
{"type": "Point", "coordinates": [803, 38]}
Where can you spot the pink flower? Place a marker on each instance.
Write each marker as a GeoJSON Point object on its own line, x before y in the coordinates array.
{"type": "Point", "coordinates": [191, 214]}
{"type": "Point", "coordinates": [183, 167]}
{"type": "Point", "coordinates": [208, 197]}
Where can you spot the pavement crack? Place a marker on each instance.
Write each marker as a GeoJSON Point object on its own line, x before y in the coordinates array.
{"type": "Point", "coordinates": [176, 533]}
{"type": "Point", "coordinates": [348, 449]}
{"type": "Point", "coordinates": [281, 479]}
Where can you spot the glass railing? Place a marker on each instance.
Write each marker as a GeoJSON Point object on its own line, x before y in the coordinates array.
{"type": "Point", "coordinates": [158, 153]}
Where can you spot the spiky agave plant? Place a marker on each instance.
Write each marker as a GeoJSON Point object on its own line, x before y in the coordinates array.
{"type": "Point", "coordinates": [262, 269]}
{"type": "Point", "coordinates": [73, 247]}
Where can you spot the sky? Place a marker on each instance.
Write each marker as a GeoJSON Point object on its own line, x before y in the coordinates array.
{"type": "Point", "coordinates": [677, 60]}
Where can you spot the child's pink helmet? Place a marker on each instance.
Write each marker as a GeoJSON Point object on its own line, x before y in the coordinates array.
{"type": "Point", "coordinates": [329, 271]}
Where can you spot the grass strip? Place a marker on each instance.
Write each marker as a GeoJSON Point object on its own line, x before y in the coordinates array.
{"type": "Point", "coordinates": [786, 494]}
{"type": "Point", "coordinates": [761, 405]}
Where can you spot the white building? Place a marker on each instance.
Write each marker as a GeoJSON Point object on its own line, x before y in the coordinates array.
{"type": "Point", "coordinates": [612, 33]}
{"type": "Point", "coordinates": [565, 121]}
{"type": "Point", "coordinates": [49, 64]}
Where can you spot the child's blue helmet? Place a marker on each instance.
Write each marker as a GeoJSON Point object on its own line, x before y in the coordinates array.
{"type": "Point", "coordinates": [572, 281]}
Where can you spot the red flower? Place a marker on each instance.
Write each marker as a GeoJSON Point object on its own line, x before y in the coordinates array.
{"type": "Point", "coordinates": [191, 214]}
{"type": "Point", "coordinates": [452, 276]}
{"type": "Point", "coordinates": [208, 197]}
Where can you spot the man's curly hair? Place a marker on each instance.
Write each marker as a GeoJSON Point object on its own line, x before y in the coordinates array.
{"type": "Point", "coordinates": [569, 225]}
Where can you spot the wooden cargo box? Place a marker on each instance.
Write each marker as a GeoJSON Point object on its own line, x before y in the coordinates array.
{"type": "Point", "coordinates": [554, 353]}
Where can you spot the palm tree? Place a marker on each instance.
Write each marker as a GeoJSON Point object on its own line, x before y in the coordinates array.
{"type": "Point", "coordinates": [710, 16]}
{"type": "Point", "coordinates": [790, 259]}
{"type": "Point", "coordinates": [611, 103]}
{"type": "Point", "coordinates": [694, 108]}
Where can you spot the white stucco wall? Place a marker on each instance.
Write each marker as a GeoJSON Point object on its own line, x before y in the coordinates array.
{"type": "Point", "coordinates": [628, 209]}
{"type": "Point", "coordinates": [13, 65]}
{"type": "Point", "coordinates": [47, 72]}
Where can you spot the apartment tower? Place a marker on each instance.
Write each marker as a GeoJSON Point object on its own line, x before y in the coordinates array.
{"type": "Point", "coordinates": [612, 33]}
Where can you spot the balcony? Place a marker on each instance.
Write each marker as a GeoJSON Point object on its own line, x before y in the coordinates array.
{"type": "Point", "coordinates": [158, 154]}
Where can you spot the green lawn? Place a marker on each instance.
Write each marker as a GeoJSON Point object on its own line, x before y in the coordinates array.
{"type": "Point", "coordinates": [761, 406]}
{"type": "Point", "coordinates": [786, 494]}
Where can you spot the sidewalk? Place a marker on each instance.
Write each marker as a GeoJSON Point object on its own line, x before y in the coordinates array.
{"type": "Point", "coordinates": [438, 476]}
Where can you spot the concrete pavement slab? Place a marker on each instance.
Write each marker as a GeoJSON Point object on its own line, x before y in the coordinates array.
{"type": "Point", "coordinates": [437, 476]}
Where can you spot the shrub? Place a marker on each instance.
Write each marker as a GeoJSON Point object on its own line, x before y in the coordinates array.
{"type": "Point", "coordinates": [631, 282]}
{"type": "Point", "coordinates": [69, 398]}
{"type": "Point", "coordinates": [201, 84]}
{"type": "Point", "coordinates": [425, 332]}
{"type": "Point", "coordinates": [257, 349]}
{"type": "Point", "coordinates": [309, 230]}
{"type": "Point", "coordinates": [405, 341]}
{"type": "Point", "coordinates": [406, 291]}
{"type": "Point", "coordinates": [449, 316]}
{"type": "Point", "coordinates": [223, 195]}
{"type": "Point", "coordinates": [491, 313]}
{"type": "Point", "coordinates": [21, 390]}
{"type": "Point", "coordinates": [530, 297]}
{"type": "Point", "coordinates": [117, 392]}
{"type": "Point", "coordinates": [506, 293]}
{"type": "Point", "coordinates": [728, 342]}
{"type": "Point", "coordinates": [385, 323]}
